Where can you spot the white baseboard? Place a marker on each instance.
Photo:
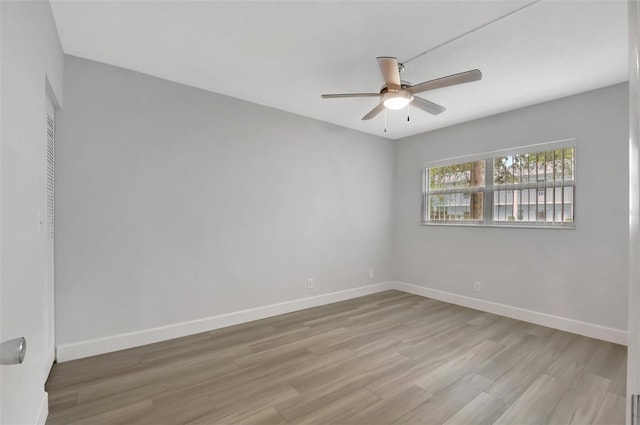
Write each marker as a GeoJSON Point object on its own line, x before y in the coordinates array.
{"type": "Point", "coordinates": [592, 330]}
{"type": "Point", "coordinates": [108, 344]}
{"type": "Point", "coordinates": [66, 352]}
{"type": "Point", "coordinates": [43, 412]}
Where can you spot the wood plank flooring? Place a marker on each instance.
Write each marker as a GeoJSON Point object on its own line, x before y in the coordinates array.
{"type": "Point", "coordinates": [387, 358]}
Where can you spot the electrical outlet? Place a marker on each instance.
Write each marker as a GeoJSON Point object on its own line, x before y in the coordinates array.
{"type": "Point", "coordinates": [477, 286]}
{"type": "Point", "coordinates": [371, 274]}
{"type": "Point", "coordinates": [310, 283]}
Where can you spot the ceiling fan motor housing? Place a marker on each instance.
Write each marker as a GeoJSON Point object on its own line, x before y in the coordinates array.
{"type": "Point", "coordinates": [403, 85]}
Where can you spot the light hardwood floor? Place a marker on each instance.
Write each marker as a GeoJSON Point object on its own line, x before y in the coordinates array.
{"type": "Point", "coordinates": [388, 358]}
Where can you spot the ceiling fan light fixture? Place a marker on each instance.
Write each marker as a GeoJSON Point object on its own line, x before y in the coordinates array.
{"type": "Point", "coordinates": [396, 100]}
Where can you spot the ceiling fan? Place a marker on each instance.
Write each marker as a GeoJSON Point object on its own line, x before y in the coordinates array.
{"type": "Point", "coordinates": [397, 94]}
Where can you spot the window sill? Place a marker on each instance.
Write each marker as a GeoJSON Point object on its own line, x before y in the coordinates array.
{"type": "Point", "coordinates": [503, 226]}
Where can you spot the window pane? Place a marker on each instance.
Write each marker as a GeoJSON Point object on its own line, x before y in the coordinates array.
{"type": "Point", "coordinates": [513, 169]}
{"type": "Point", "coordinates": [547, 205]}
{"type": "Point", "coordinates": [568, 163]}
{"type": "Point", "coordinates": [558, 173]}
{"type": "Point", "coordinates": [567, 203]}
{"type": "Point", "coordinates": [535, 167]}
{"type": "Point", "coordinates": [469, 174]}
{"type": "Point", "coordinates": [455, 207]}
{"type": "Point", "coordinates": [501, 170]}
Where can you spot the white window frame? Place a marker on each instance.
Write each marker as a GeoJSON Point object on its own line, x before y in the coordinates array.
{"type": "Point", "coordinates": [489, 189]}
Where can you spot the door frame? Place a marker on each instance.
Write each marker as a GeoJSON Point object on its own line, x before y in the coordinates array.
{"type": "Point", "coordinates": [633, 344]}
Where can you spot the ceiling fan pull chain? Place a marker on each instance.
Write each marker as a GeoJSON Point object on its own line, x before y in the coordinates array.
{"type": "Point", "coordinates": [385, 120]}
{"type": "Point", "coordinates": [408, 114]}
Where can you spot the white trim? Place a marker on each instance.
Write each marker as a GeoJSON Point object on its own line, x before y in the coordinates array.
{"type": "Point", "coordinates": [43, 412]}
{"type": "Point", "coordinates": [66, 352]}
{"type": "Point", "coordinates": [504, 226]}
{"type": "Point", "coordinates": [592, 330]}
{"type": "Point", "coordinates": [633, 322]}
{"type": "Point", "coordinates": [51, 358]}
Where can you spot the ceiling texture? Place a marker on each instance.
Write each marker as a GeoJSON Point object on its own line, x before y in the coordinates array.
{"type": "Point", "coordinates": [284, 54]}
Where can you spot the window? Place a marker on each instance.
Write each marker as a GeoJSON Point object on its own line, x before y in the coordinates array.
{"type": "Point", "coordinates": [456, 192]}
{"type": "Point", "coordinates": [524, 188]}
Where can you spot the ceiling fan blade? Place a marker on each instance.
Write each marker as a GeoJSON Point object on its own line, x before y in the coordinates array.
{"type": "Point", "coordinates": [389, 69]}
{"type": "Point", "coordinates": [451, 80]}
{"type": "Point", "coordinates": [339, 95]}
{"type": "Point", "coordinates": [375, 111]}
{"type": "Point", "coordinates": [425, 105]}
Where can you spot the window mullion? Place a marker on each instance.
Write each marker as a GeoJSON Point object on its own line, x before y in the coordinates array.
{"type": "Point", "coordinates": [425, 190]}
{"type": "Point", "coordinates": [562, 189]}
{"type": "Point", "coordinates": [488, 194]}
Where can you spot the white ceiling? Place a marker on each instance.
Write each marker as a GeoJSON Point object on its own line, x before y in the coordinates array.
{"type": "Point", "coordinates": [285, 54]}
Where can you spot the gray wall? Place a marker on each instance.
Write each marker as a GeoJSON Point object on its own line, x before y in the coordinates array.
{"type": "Point", "coordinates": [579, 274]}
{"type": "Point", "coordinates": [174, 204]}
{"type": "Point", "coordinates": [31, 56]}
